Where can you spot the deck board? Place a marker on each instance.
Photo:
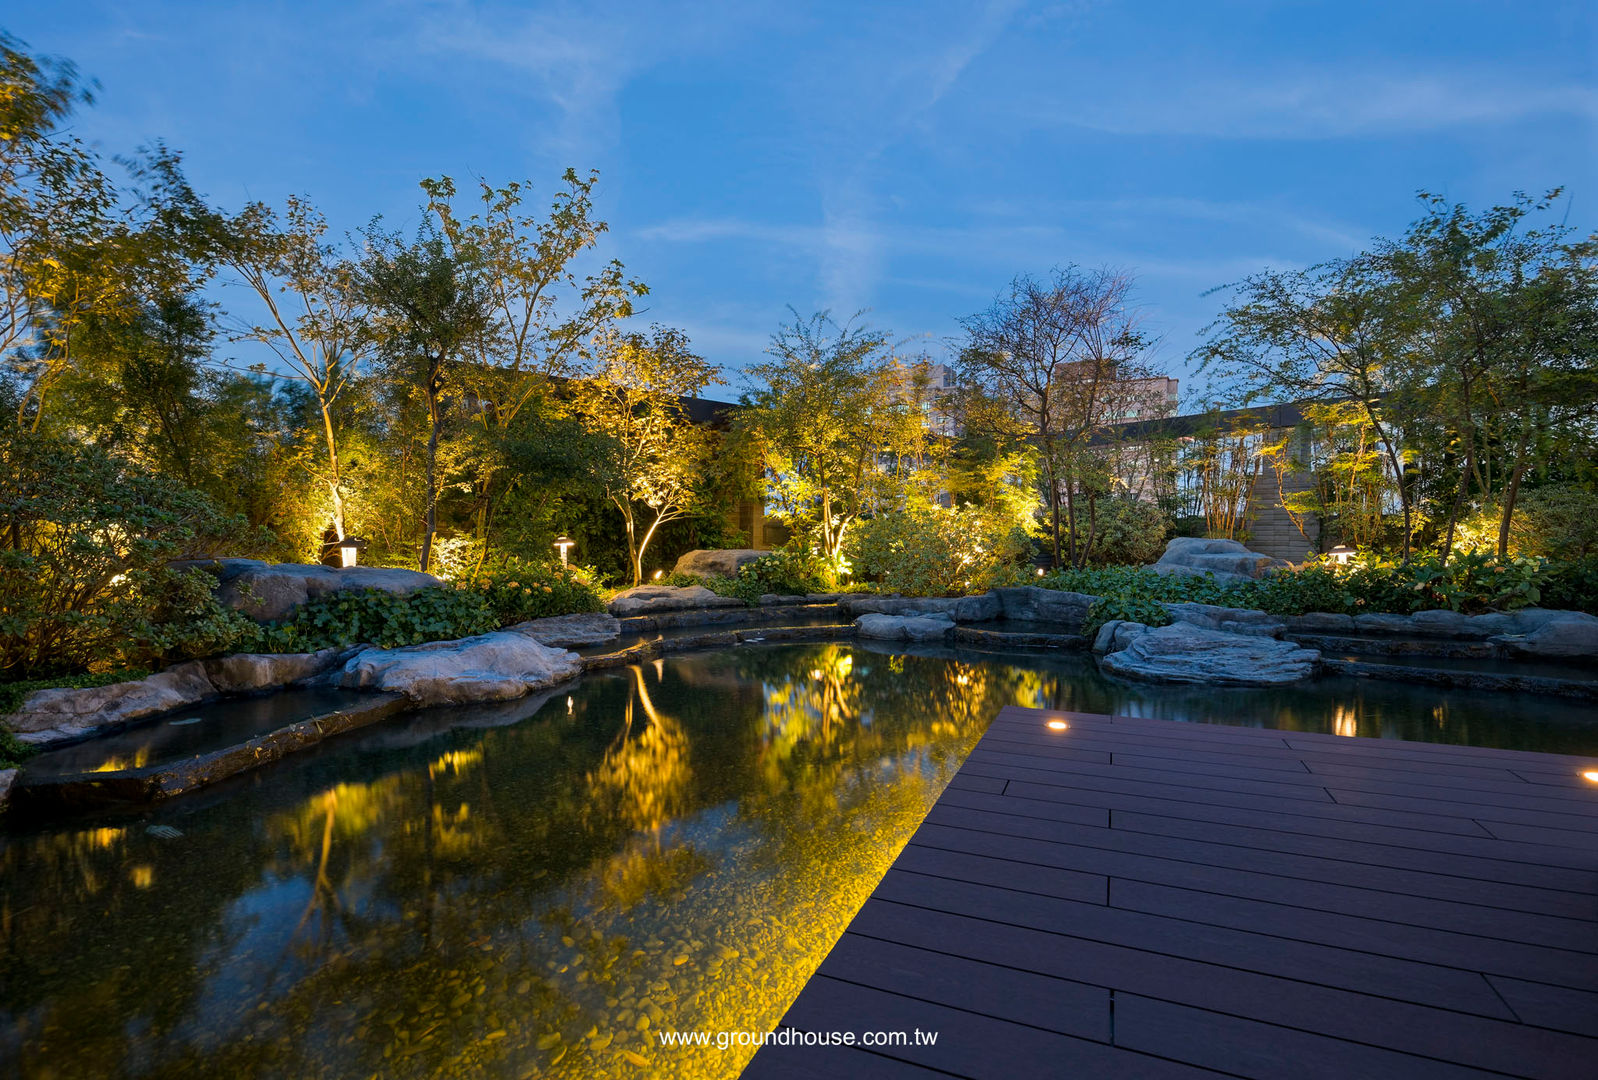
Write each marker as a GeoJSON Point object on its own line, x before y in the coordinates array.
{"type": "Point", "coordinates": [1147, 898]}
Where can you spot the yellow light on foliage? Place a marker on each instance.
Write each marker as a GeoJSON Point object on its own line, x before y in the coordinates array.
{"type": "Point", "coordinates": [1058, 725]}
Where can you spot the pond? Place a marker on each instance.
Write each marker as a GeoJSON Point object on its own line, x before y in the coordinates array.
{"type": "Point", "coordinates": [538, 888]}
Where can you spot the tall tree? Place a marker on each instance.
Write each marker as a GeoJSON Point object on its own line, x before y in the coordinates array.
{"type": "Point", "coordinates": [433, 309]}
{"type": "Point", "coordinates": [1330, 333]}
{"type": "Point", "coordinates": [315, 320]}
{"type": "Point", "coordinates": [635, 401]}
{"type": "Point", "coordinates": [823, 413]}
{"type": "Point", "coordinates": [542, 316]}
{"type": "Point", "coordinates": [1058, 361]}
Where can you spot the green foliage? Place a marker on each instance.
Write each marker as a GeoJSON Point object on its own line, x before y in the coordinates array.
{"type": "Point", "coordinates": [1126, 532]}
{"type": "Point", "coordinates": [1572, 585]}
{"type": "Point", "coordinates": [517, 591]}
{"type": "Point", "coordinates": [931, 551]}
{"type": "Point", "coordinates": [374, 617]}
{"type": "Point", "coordinates": [1473, 583]}
{"type": "Point", "coordinates": [785, 573]}
{"type": "Point", "coordinates": [1127, 607]}
{"type": "Point", "coordinates": [85, 546]}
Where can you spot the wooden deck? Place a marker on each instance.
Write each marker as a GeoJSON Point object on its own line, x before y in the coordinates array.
{"type": "Point", "coordinates": [1148, 899]}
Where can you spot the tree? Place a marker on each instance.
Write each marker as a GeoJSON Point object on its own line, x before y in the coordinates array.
{"type": "Point", "coordinates": [315, 321]}
{"type": "Point", "coordinates": [1505, 331]}
{"type": "Point", "coordinates": [1327, 334]}
{"type": "Point", "coordinates": [828, 414]}
{"type": "Point", "coordinates": [433, 309]}
{"type": "Point", "coordinates": [541, 317]}
{"type": "Point", "coordinates": [635, 402]}
{"type": "Point", "coordinates": [1057, 362]}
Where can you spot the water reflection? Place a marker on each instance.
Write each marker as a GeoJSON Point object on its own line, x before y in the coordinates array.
{"type": "Point", "coordinates": [538, 888]}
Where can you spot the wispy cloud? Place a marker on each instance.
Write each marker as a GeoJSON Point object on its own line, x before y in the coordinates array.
{"type": "Point", "coordinates": [1320, 104]}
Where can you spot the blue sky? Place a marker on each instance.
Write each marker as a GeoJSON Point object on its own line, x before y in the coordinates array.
{"type": "Point", "coordinates": [904, 158]}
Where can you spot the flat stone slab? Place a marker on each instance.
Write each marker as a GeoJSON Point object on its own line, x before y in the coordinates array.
{"type": "Point", "coordinates": [498, 666]}
{"type": "Point", "coordinates": [904, 627]}
{"type": "Point", "coordinates": [1184, 653]}
{"type": "Point", "coordinates": [650, 599]}
{"type": "Point", "coordinates": [571, 631]}
{"type": "Point", "coordinates": [59, 793]}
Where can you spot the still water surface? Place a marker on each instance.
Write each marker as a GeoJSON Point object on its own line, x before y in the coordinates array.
{"type": "Point", "coordinates": [537, 889]}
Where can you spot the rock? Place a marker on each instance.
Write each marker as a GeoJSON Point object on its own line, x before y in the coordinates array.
{"type": "Point", "coordinates": [1320, 622]}
{"type": "Point", "coordinates": [1231, 620]}
{"type": "Point", "coordinates": [1184, 653]}
{"type": "Point", "coordinates": [1572, 634]}
{"type": "Point", "coordinates": [1029, 603]}
{"type": "Point", "coordinates": [269, 592]}
{"type": "Point", "coordinates": [489, 667]}
{"type": "Point", "coordinates": [904, 627]}
{"type": "Point", "coordinates": [1447, 624]}
{"type": "Point", "coordinates": [981, 608]}
{"type": "Point", "coordinates": [7, 778]}
{"type": "Point", "coordinates": [724, 562]}
{"type": "Point", "coordinates": [567, 631]}
{"type": "Point", "coordinates": [1396, 625]}
{"type": "Point", "coordinates": [1116, 635]}
{"type": "Point", "coordinates": [643, 599]}
{"type": "Point", "coordinates": [243, 673]}
{"type": "Point", "coordinates": [1228, 560]}
{"type": "Point", "coordinates": [52, 715]}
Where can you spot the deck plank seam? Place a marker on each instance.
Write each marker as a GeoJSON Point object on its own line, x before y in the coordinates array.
{"type": "Point", "coordinates": [1180, 1003]}
{"type": "Point", "coordinates": [1258, 873]}
{"type": "Point", "coordinates": [1259, 846]}
{"type": "Point", "coordinates": [1480, 833]}
{"type": "Point", "coordinates": [1006, 1019]}
{"type": "Point", "coordinates": [1352, 950]}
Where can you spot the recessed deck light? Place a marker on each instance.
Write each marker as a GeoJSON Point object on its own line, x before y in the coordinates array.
{"type": "Point", "coordinates": [1058, 725]}
{"type": "Point", "coordinates": [1590, 774]}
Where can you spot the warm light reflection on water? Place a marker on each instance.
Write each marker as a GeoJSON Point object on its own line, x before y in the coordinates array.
{"type": "Point", "coordinates": [538, 890]}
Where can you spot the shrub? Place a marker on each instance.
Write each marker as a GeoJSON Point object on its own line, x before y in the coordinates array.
{"type": "Point", "coordinates": [786, 573]}
{"type": "Point", "coordinates": [517, 591]}
{"type": "Point", "coordinates": [1126, 532]}
{"type": "Point", "coordinates": [84, 574]}
{"type": "Point", "coordinates": [1558, 522]}
{"type": "Point", "coordinates": [1124, 606]}
{"type": "Point", "coordinates": [375, 617]}
{"type": "Point", "coordinates": [932, 551]}
{"type": "Point", "coordinates": [1572, 585]}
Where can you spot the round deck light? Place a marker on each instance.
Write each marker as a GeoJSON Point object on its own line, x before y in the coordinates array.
{"type": "Point", "coordinates": [1590, 774]}
{"type": "Point", "coordinates": [1058, 725]}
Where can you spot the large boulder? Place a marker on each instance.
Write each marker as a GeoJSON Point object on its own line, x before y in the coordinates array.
{"type": "Point", "coordinates": [981, 608]}
{"type": "Point", "coordinates": [1227, 560]}
{"type": "Point", "coordinates": [1185, 653]}
{"type": "Point", "coordinates": [1568, 634]}
{"type": "Point", "coordinates": [269, 592]}
{"type": "Point", "coordinates": [569, 631]}
{"type": "Point", "coordinates": [1231, 620]}
{"type": "Point", "coordinates": [1030, 603]}
{"type": "Point", "coordinates": [244, 673]}
{"type": "Point", "coordinates": [489, 667]}
{"type": "Point", "coordinates": [648, 599]}
{"type": "Point", "coordinates": [1116, 635]}
{"type": "Point", "coordinates": [67, 713]}
{"type": "Point", "coordinates": [904, 627]}
{"type": "Point", "coordinates": [723, 562]}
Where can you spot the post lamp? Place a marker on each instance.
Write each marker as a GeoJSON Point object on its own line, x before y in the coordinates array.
{"type": "Point", "coordinates": [563, 544]}
{"type": "Point", "coordinates": [349, 550]}
{"type": "Point", "coordinates": [1342, 554]}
